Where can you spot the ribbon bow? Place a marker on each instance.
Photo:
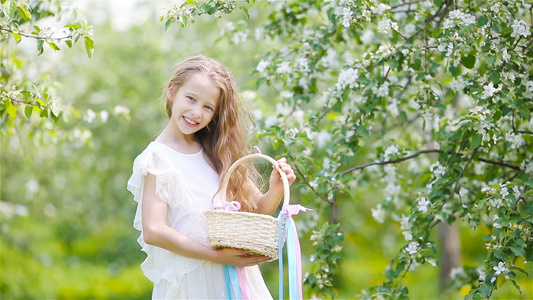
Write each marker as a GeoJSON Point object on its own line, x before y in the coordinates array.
{"type": "Point", "coordinates": [229, 206]}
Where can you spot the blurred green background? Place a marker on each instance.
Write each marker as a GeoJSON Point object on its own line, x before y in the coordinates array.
{"type": "Point", "coordinates": [66, 214]}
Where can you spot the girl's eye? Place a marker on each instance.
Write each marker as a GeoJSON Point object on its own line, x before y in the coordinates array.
{"type": "Point", "coordinates": [190, 98]}
{"type": "Point", "coordinates": [209, 108]}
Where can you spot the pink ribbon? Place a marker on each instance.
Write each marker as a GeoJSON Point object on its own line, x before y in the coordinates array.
{"type": "Point", "coordinates": [294, 209]}
{"type": "Point", "coordinates": [243, 283]}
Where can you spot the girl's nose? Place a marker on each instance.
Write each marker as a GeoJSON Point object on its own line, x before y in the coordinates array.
{"type": "Point", "coordinates": [195, 111]}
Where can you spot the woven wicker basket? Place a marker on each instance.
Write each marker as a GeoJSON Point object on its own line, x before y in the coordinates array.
{"type": "Point", "coordinates": [256, 233]}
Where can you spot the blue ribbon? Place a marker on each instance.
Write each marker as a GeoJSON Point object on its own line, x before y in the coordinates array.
{"type": "Point", "coordinates": [232, 282]}
{"type": "Point", "coordinates": [291, 258]}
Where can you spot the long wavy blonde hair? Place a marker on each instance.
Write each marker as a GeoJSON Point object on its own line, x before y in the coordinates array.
{"type": "Point", "coordinates": [224, 138]}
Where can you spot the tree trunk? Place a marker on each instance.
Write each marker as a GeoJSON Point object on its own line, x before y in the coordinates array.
{"type": "Point", "coordinates": [450, 252]}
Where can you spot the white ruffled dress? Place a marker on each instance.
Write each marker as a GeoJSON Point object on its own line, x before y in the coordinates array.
{"type": "Point", "coordinates": [187, 183]}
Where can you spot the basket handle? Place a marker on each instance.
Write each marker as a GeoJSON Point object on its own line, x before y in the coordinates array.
{"type": "Point", "coordinates": [286, 191]}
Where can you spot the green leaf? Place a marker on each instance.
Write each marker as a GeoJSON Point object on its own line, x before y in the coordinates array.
{"type": "Point", "coordinates": [17, 37]}
{"type": "Point", "coordinates": [24, 12]}
{"type": "Point", "coordinates": [518, 251]}
{"type": "Point", "coordinates": [55, 117]}
{"type": "Point", "coordinates": [40, 44]}
{"type": "Point", "coordinates": [362, 130]}
{"type": "Point", "coordinates": [468, 61]}
{"type": "Point", "coordinates": [476, 140]}
{"type": "Point", "coordinates": [516, 286]}
{"type": "Point", "coordinates": [184, 20]}
{"type": "Point", "coordinates": [53, 46]}
{"type": "Point", "coordinates": [482, 21]}
{"type": "Point", "coordinates": [454, 70]}
{"type": "Point", "coordinates": [245, 10]}
{"type": "Point", "coordinates": [44, 112]}
{"type": "Point", "coordinates": [9, 8]}
{"type": "Point", "coordinates": [485, 290]}
{"type": "Point", "coordinates": [28, 110]}
{"type": "Point", "coordinates": [169, 22]}
{"type": "Point", "coordinates": [11, 109]}
{"type": "Point", "coordinates": [416, 65]}
{"type": "Point", "coordinates": [73, 26]}
{"type": "Point", "coordinates": [69, 43]}
{"type": "Point", "coordinates": [525, 113]}
{"type": "Point", "coordinates": [89, 46]}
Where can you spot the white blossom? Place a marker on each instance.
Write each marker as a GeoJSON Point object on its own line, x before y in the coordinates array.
{"type": "Point", "coordinates": [496, 225]}
{"type": "Point", "coordinates": [383, 90]}
{"type": "Point", "coordinates": [301, 64]}
{"type": "Point", "coordinates": [322, 138]}
{"type": "Point", "coordinates": [378, 214]}
{"type": "Point", "coordinates": [258, 34]}
{"type": "Point", "coordinates": [457, 17]}
{"type": "Point", "coordinates": [347, 78]}
{"type": "Point", "coordinates": [520, 28]}
{"type": "Point", "coordinates": [437, 169]}
{"type": "Point", "coordinates": [410, 28]}
{"type": "Point", "coordinates": [392, 108]}
{"type": "Point", "coordinates": [32, 187]}
{"type": "Point", "coordinates": [516, 141]}
{"type": "Point", "coordinates": [367, 36]}
{"type": "Point", "coordinates": [455, 272]}
{"type": "Point", "coordinates": [457, 84]}
{"type": "Point", "coordinates": [500, 268]}
{"type": "Point", "coordinates": [516, 192]}
{"type": "Point", "coordinates": [408, 236]}
{"type": "Point", "coordinates": [239, 37]}
{"type": "Point", "coordinates": [380, 9]}
{"type": "Point", "coordinates": [412, 248]}
{"type": "Point", "coordinates": [347, 17]}
{"type": "Point", "coordinates": [405, 222]}
{"type": "Point", "coordinates": [482, 274]}
{"type": "Point", "coordinates": [386, 26]}
{"type": "Point", "coordinates": [271, 121]}
{"type": "Point", "coordinates": [506, 56]}
{"type": "Point", "coordinates": [423, 204]}
{"type": "Point", "coordinates": [121, 110]}
{"type": "Point", "coordinates": [284, 67]}
{"type": "Point", "coordinates": [91, 116]}
{"type": "Point", "coordinates": [104, 115]}
{"type": "Point", "coordinates": [489, 90]}
{"type": "Point", "coordinates": [496, 202]}
{"type": "Point", "coordinates": [391, 150]}
{"type": "Point", "coordinates": [261, 67]}
{"type": "Point", "coordinates": [529, 89]}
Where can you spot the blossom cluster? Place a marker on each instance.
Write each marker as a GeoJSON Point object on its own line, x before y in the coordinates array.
{"type": "Point", "coordinates": [458, 18]}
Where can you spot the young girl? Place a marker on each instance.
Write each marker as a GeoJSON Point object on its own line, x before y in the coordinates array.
{"type": "Point", "coordinates": [177, 176]}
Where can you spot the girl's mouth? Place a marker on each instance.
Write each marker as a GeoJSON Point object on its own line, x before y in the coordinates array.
{"type": "Point", "coordinates": [190, 121]}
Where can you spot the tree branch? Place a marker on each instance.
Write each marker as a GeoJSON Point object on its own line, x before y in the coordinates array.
{"type": "Point", "coordinates": [429, 20]}
{"type": "Point", "coordinates": [377, 163]}
{"type": "Point", "coordinates": [500, 163]}
{"type": "Point", "coordinates": [406, 3]}
{"type": "Point", "coordinates": [525, 132]}
{"type": "Point", "coordinates": [36, 36]}
{"type": "Point", "coordinates": [312, 188]}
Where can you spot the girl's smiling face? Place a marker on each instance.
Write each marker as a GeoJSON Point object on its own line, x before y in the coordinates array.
{"type": "Point", "coordinates": [194, 104]}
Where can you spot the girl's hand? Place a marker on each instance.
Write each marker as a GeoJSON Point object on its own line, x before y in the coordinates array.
{"type": "Point", "coordinates": [276, 184]}
{"type": "Point", "coordinates": [238, 257]}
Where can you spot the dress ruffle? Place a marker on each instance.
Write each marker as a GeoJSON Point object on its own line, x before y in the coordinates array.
{"type": "Point", "coordinates": [161, 263]}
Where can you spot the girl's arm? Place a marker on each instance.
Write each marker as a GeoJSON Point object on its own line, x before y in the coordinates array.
{"type": "Point", "coordinates": [269, 202]}
{"type": "Point", "coordinates": [156, 232]}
